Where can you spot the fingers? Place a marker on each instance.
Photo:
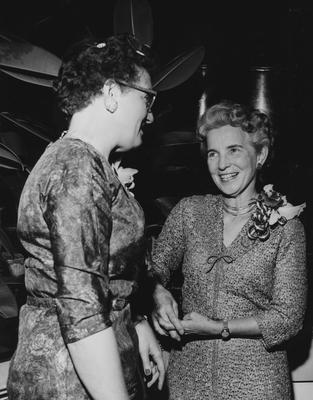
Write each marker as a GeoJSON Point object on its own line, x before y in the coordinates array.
{"type": "Point", "coordinates": [158, 359]}
{"type": "Point", "coordinates": [157, 326]}
{"type": "Point", "coordinates": [152, 378]}
{"type": "Point", "coordinates": [146, 365]}
{"type": "Point", "coordinates": [174, 335]}
{"type": "Point", "coordinates": [176, 323]}
{"type": "Point", "coordinates": [157, 370]}
{"type": "Point", "coordinates": [167, 324]}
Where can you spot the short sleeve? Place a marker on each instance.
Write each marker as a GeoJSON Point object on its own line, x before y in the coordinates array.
{"type": "Point", "coordinates": [168, 250]}
{"type": "Point", "coordinates": [78, 215]}
{"type": "Point", "coordinates": [284, 317]}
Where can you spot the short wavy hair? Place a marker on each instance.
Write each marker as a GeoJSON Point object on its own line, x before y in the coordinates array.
{"type": "Point", "coordinates": [256, 123]}
{"type": "Point", "coordinates": [88, 65]}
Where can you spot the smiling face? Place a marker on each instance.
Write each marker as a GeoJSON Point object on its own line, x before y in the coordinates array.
{"type": "Point", "coordinates": [232, 161]}
{"type": "Point", "coordinates": [134, 111]}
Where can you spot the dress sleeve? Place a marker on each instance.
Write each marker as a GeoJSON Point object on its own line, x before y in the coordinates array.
{"type": "Point", "coordinates": [78, 215]}
{"type": "Point", "coordinates": [284, 318]}
{"type": "Point", "coordinates": [169, 247]}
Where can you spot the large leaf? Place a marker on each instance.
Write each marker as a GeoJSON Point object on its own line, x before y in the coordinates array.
{"type": "Point", "coordinates": [178, 70]}
{"type": "Point", "coordinates": [134, 17]}
{"type": "Point", "coordinates": [26, 125]}
{"type": "Point", "coordinates": [6, 166]}
{"type": "Point", "coordinates": [27, 62]}
{"type": "Point", "coordinates": [8, 159]}
{"type": "Point", "coordinates": [7, 154]}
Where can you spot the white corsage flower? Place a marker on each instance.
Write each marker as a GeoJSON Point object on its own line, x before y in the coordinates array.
{"type": "Point", "coordinates": [125, 175]}
{"type": "Point", "coordinates": [281, 210]}
{"type": "Point", "coordinates": [289, 211]}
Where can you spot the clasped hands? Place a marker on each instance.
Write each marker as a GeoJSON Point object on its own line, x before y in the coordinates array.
{"type": "Point", "coordinates": [167, 323]}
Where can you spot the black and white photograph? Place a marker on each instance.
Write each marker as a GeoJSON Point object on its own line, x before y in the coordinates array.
{"type": "Point", "coordinates": [156, 221]}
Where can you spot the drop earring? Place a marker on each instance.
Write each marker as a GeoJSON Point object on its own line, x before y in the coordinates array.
{"type": "Point", "coordinates": [259, 166]}
{"type": "Point", "coordinates": [111, 105]}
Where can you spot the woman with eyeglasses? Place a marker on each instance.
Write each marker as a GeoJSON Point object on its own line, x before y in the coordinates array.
{"type": "Point", "coordinates": [82, 331]}
{"type": "Point", "coordinates": [242, 255]}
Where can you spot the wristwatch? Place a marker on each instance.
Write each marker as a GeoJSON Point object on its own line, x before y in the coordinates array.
{"type": "Point", "coordinates": [225, 332]}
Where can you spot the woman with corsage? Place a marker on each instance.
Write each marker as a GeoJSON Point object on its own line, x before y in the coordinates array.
{"type": "Point", "coordinates": [82, 332]}
{"type": "Point", "coordinates": [242, 254]}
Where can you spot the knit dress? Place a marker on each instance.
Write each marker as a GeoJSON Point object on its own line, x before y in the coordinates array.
{"type": "Point", "coordinates": [249, 278]}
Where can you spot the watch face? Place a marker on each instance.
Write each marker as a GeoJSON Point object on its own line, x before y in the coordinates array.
{"type": "Point", "coordinates": [225, 333]}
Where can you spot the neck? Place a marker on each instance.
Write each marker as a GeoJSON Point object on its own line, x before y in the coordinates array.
{"type": "Point", "coordinates": [240, 205]}
{"type": "Point", "coordinates": [87, 126]}
{"type": "Point", "coordinates": [239, 210]}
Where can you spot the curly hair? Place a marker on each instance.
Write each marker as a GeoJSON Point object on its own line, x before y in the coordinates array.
{"type": "Point", "coordinates": [89, 64]}
{"type": "Point", "coordinates": [254, 122]}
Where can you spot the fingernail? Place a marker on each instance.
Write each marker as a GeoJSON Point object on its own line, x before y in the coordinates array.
{"type": "Point", "coordinates": [147, 372]}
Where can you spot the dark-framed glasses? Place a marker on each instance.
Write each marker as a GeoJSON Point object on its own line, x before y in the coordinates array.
{"type": "Point", "coordinates": [150, 94]}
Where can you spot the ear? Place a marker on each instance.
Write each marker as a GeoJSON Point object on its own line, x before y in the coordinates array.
{"type": "Point", "coordinates": [262, 156]}
{"type": "Point", "coordinates": [111, 89]}
{"type": "Point", "coordinates": [110, 93]}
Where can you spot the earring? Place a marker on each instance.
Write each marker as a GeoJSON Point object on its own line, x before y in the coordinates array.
{"type": "Point", "coordinates": [111, 105]}
{"type": "Point", "coordinates": [259, 166]}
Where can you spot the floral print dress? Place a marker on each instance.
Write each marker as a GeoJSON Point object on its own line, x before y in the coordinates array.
{"type": "Point", "coordinates": [84, 234]}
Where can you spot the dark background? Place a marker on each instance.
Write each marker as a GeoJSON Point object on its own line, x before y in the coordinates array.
{"type": "Point", "coordinates": [236, 36]}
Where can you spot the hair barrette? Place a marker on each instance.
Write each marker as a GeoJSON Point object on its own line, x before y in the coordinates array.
{"type": "Point", "coordinates": [101, 45]}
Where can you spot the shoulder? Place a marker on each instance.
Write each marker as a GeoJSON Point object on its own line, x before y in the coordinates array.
{"type": "Point", "coordinates": [294, 229]}
{"type": "Point", "coordinates": [78, 158]}
{"type": "Point", "coordinates": [73, 164]}
{"type": "Point", "coordinates": [198, 203]}
{"type": "Point", "coordinates": [292, 234]}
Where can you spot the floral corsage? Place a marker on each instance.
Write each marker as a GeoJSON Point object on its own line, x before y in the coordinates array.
{"type": "Point", "coordinates": [125, 176]}
{"type": "Point", "coordinates": [272, 208]}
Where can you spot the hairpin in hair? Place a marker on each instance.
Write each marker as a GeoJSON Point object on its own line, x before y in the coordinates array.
{"type": "Point", "coordinates": [101, 45]}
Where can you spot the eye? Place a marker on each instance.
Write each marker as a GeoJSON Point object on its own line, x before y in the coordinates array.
{"type": "Point", "coordinates": [234, 150]}
{"type": "Point", "coordinates": [149, 98]}
{"type": "Point", "coordinates": [211, 154]}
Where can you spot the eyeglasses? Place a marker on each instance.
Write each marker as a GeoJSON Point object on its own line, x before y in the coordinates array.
{"type": "Point", "coordinates": [150, 94]}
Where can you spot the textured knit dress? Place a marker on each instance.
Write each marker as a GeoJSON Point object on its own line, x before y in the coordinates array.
{"type": "Point", "coordinates": [84, 236]}
{"type": "Point", "coordinates": [265, 280]}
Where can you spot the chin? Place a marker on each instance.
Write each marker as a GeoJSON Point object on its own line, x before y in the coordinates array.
{"type": "Point", "coordinates": [229, 189]}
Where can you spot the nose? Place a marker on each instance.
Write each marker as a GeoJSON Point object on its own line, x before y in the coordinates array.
{"type": "Point", "coordinates": [149, 117]}
{"type": "Point", "coordinates": [223, 162]}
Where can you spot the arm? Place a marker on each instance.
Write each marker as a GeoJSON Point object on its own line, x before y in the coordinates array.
{"type": "Point", "coordinates": [197, 324]}
{"type": "Point", "coordinates": [150, 354]}
{"type": "Point", "coordinates": [80, 247]}
{"type": "Point", "coordinates": [167, 256]}
{"type": "Point", "coordinates": [98, 365]}
{"type": "Point", "coordinates": [165, 314]}
{"type": "Point", "coordinates": [284, 316]}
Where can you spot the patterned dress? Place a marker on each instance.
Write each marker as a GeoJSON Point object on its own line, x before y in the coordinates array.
{"type": "Point", "coordinates": [84, 235]}
{"type": "Point", "coordinates": [265, 280]}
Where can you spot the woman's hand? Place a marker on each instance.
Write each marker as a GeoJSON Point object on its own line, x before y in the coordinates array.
{"type": "Point", "coordinates": [151, 355]}
{"type": "Point", "coordinates": [166, 358]}
{"type": "Point", "coordinates": [196, 324]}
{"type": "Point", "coordinates": [165, 315]}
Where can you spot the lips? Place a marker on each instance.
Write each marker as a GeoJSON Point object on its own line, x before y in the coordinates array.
{"type": "Point", "coordinates": [228, 177]}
